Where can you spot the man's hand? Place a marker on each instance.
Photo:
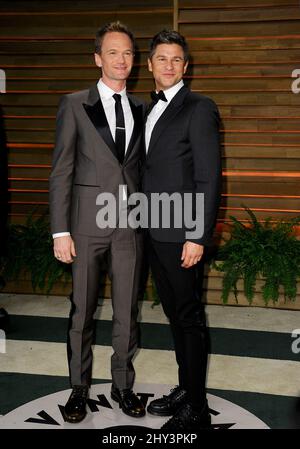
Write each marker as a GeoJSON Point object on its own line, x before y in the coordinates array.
{"type": "Point", "coordinates": [64, 249]}
{"type": "Point", "coordinates": [191, 254]}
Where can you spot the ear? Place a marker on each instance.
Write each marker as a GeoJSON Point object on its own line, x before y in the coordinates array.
{"type": "Point", "coordinates": [149, 65]}
{"type": "Point", "coordinates": [185, 66]}
{"type": "Point", "coordinates": [98, 60]}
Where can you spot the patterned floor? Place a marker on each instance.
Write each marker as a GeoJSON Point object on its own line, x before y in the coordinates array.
{"type": "Point", "coordinates": [253, 363]}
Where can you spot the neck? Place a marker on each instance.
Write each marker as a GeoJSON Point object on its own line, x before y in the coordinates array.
{"type": "Point", "coordinates": [115, 85]}
{"type": "Point", "coordinates": [158, 87]}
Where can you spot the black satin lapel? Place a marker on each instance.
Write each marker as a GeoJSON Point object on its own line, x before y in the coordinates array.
{"type": "Point", "coordinates": [137, 113]}
{"type": "Point", "coordinates": [98, 118]}
{"type": "Point", "coordinates": [150, 107]}
{"type": "Point", "coordinates": [161, 124]}
{"type": "Point", "coordinates": [144, 140]}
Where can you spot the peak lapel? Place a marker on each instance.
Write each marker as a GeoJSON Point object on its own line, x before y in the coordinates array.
{"type": "Point", "coordinates": [96, 114]}
{"type": "Point", "coordinates": [137, 113]}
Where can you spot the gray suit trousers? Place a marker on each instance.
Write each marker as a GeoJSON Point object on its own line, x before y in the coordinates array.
{"type": "Point", "coordinates": [124, 248]}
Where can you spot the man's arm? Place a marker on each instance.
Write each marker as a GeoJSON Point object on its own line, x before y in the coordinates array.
{"type": "Point", "coordinates": [61, 177]}
{"type": "Point", "coordinates": [205, 143]}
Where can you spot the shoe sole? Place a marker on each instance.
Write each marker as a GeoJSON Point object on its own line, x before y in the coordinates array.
{"type": "Point", "coordinates": [155, 413]}
{"type": "Point", "coordinates": [115, 398]}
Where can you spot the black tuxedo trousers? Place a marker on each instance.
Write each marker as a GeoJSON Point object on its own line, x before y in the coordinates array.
{"type": "Point", "coordinates": [179, 290]}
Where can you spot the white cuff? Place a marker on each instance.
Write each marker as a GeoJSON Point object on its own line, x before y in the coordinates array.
{"type": "Point", "coordinates": [60, 234]}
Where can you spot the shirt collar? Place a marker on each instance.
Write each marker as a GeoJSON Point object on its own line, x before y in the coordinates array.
{"type": "Point", "coordinates": [106, 92]}
{"type": "Point", "coordinates": [172, 91]}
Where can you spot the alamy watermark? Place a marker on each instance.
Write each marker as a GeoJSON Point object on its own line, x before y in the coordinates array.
{"type": "Point", "coordinates": [2, 81]}
{"type": "Point", "coordinates": [156, 210]}
{"type": "Point", "coordinates": [2, 342]}
{"type": "Point", "coordinates": [296, 83]}
{"type": "Point", "coordinates": [296, 342]}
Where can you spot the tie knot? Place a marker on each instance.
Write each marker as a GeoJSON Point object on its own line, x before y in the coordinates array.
{"type": "Point", "coordinates": [158, 96]}
{"type": "Point", "coordinates": [117, 98]}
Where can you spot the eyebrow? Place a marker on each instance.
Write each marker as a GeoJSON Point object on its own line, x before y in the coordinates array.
{"type": "Point", "coordinates": [166, 56]}
{"type": "Point", "coordinates": [116, 49]}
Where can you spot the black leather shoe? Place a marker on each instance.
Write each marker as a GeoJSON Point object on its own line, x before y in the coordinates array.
{"type": "Point", "coordinates": [168, 405]}
{"type": "Point", "coordinates": [129, 402]}
{"type": "Point", "coordinates": [75, 408]}
{"type": "Point", "coordinates": [188, 420]}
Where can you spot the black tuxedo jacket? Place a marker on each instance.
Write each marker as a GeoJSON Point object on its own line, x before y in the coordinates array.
{"type": "Point", "coordinates": [184, 156]}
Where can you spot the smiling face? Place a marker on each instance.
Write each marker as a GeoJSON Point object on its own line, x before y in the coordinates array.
{"type": "Point", "coordinates": [115, 58]}
{"type": "Point", "coordinates": [167, 65]}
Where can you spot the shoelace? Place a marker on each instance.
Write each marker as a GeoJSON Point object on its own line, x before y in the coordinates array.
{"type": "Point", "coordinates": [179, 418]}
{"type": "Point", "coordinates": [174, 390]}
{"type": "Point", "coordinates": [79, 391]}
{"type": "Point", "coordinates": [128, 393]}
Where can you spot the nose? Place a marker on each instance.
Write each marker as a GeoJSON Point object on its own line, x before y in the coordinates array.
{"type": "Point", "coordinates": [121, 58]}
{"type": "Point", "coordinates": [169, 65]}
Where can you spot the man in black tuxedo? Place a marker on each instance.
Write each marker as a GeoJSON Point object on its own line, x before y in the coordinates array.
{"type": "Point", "coordinates": [182, 156]}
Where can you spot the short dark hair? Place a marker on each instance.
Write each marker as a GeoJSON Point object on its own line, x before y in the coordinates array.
{"type": "Point", "coordinates": [169, 37]}
{"type": "Point", "coordinates": [111, 27]}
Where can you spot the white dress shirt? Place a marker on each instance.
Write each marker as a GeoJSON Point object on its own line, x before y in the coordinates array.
{"type": "Point", "coordinates": [158, 109]}
{"type": "Point", "coordinates": [106, 95]}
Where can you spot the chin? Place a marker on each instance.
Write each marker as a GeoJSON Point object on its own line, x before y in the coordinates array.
{"type": "Point", "coordinates": [121, 75]}
{"type": "Point", "coordinates": [121, 78]}
{"type": "Point", "coordinates": [168, 83]}
{"type": "Point", "coordinates": [168, 86]}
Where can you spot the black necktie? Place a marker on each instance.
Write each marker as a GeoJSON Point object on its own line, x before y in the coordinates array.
{"type": "Point", "coordinates": [120, 137]}
{"type": "Point", "coordinates": [158, 96]}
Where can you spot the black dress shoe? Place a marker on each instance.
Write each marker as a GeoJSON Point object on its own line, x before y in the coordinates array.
{"type": "Point", "coordinates": [168, 405]}
{"type": "Point", "coordinates": [129, 402]}
{"type": "Point", "coordinates": [75, 408]}
{"type": "Point", "coordinates": [188, 420]}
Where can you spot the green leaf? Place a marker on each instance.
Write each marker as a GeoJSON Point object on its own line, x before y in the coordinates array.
{"type": "Point", "coordinates": [260, 249]}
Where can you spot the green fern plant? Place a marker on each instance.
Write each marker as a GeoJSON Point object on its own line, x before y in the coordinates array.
{"type": "Point", "coordinates": [30, 250]}
{"type": "Point", "coordinates": [270, 251]}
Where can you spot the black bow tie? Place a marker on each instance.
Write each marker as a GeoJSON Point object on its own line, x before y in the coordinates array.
{"type": "Point", "coordinates": [156, 97]}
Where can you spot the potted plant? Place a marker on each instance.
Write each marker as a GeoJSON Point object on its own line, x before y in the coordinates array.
{"type": "Point", "coordinates": [29, 257]}
{"type": "Point", "coordinates": [29, 250]}
{"type": "Point", "coordinates": [265, 250]}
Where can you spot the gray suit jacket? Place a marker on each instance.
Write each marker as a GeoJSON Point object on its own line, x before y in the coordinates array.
{"type": "Point", "coordinates": [85, 162]}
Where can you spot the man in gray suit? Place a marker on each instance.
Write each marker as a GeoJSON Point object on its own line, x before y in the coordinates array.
{"type": "Point", "coordinates": [97, 150]}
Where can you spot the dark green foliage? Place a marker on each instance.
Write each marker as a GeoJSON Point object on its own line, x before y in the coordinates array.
{"type": "Point", "coordinates": [152, 295]}
{"type": "Point", "coordinates": [30, 250]}
{"type": "Point", "coordinates": [155, 297]}
{"type": "Point", "coordinates": [268, 250]}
